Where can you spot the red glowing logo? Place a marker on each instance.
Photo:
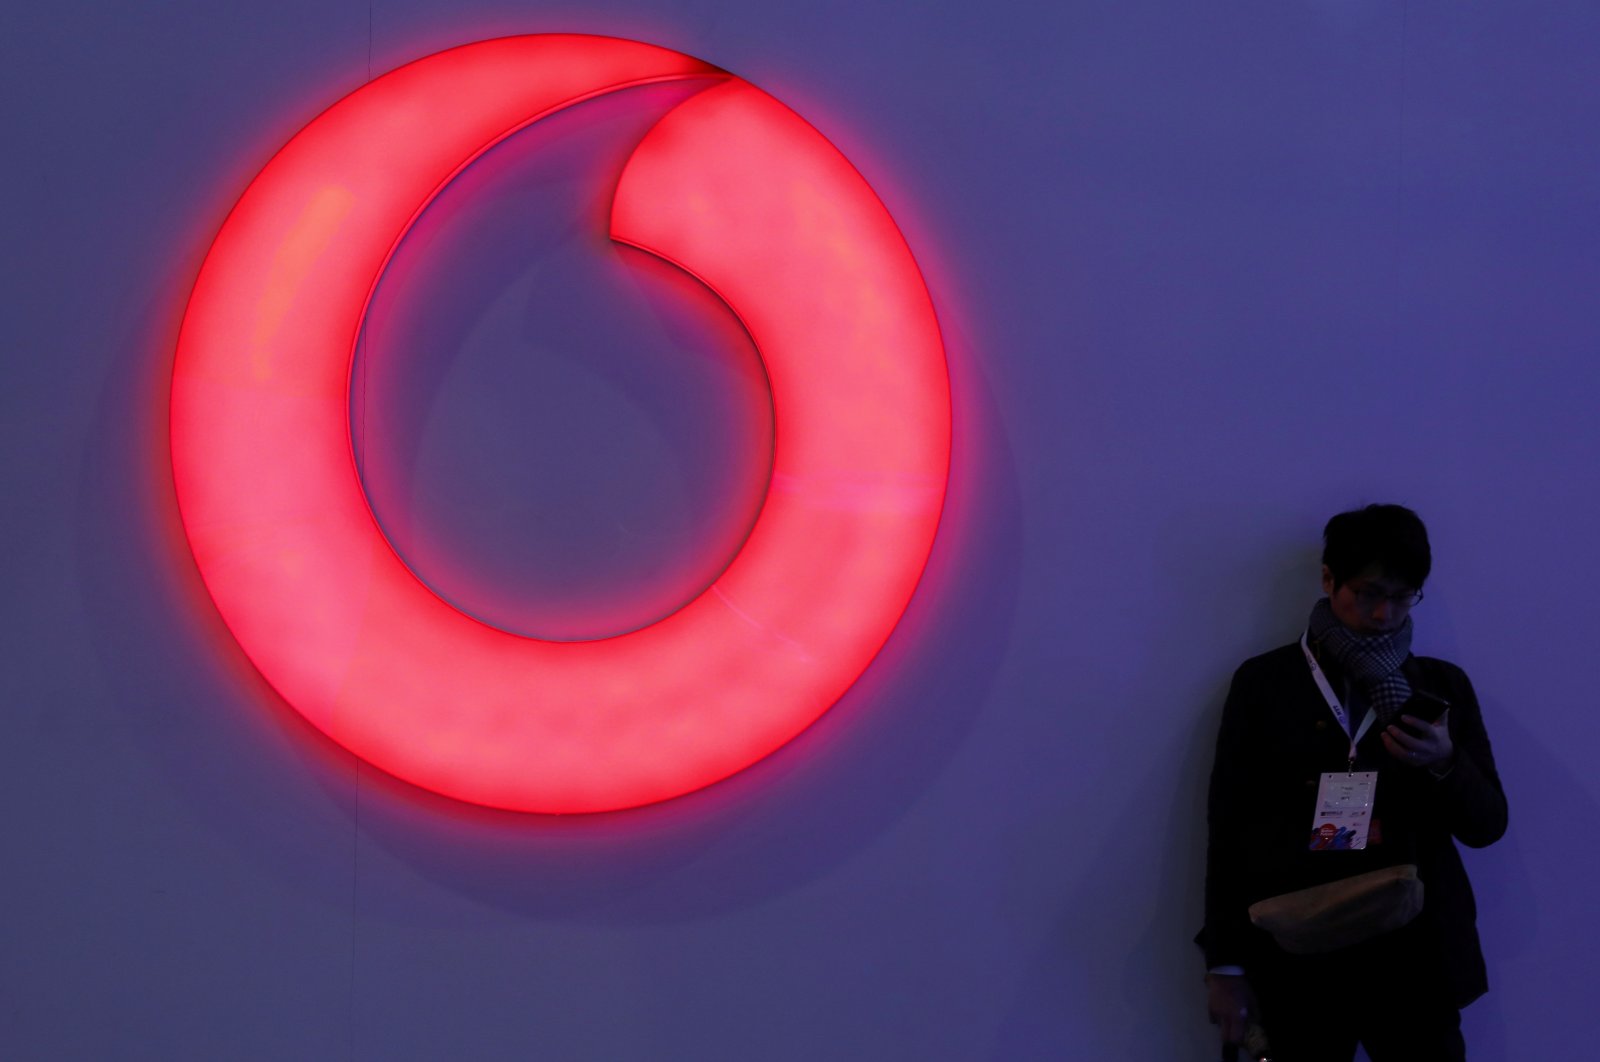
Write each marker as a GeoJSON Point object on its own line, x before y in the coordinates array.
{"type": "Point", "coordinates": [730, 186]}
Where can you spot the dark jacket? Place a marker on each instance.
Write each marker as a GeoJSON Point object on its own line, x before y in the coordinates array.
{"type": "Point", "coordinates": [1277, 737]}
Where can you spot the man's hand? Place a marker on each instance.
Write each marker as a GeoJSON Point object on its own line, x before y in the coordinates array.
{"type": "Point", "coordinates": [1421, 743]}
{"type": "Point", "coordinates": [1232, 1005]}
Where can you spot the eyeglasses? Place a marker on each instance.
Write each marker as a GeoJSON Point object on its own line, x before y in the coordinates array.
{"type": "Point", "coordinates": [1367, 597]}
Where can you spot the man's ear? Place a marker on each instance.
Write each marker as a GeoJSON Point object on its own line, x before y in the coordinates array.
{"type": "Point", "coordinates": [1327, 580]}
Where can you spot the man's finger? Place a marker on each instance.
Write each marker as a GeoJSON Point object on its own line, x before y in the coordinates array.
{"type": "Point", "coordinates": [1409, 742]}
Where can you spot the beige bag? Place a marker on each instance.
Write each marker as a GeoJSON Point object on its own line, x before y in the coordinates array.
{"type": "Point", "coordinates": [1341, 913]}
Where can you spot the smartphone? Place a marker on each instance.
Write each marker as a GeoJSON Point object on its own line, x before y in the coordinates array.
{"type": "Point", "coordinates": [1424, 705]}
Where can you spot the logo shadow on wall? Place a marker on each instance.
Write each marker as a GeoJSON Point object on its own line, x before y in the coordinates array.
{"type": "Point", "coordinates": [192, 701]}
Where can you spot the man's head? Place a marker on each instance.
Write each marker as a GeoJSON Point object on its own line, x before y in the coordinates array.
{"type": "Point", "coordinates": [1374, 562]}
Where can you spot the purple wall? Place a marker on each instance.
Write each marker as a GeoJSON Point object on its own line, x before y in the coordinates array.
{"type": "Point", "coordinates": [1207, 273]}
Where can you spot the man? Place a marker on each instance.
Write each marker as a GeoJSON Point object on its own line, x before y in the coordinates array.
{"type": "Point", "coordinates": [1345, 730]}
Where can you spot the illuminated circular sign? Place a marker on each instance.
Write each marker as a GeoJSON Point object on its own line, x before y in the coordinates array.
{"type": "Point", "coordinates": [730, 186]}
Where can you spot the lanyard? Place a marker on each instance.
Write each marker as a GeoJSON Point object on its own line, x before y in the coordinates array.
{"type": "Point", "coordinates": [1333, 702]}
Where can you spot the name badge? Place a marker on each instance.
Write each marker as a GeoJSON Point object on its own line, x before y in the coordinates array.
{"type": "Point", "coordinates": [1344, 811]}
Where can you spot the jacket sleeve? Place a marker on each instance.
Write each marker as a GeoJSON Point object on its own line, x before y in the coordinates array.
{"type": "Point", "coordinates": [1227, 921]}
{"type": "Point", "coordinates": [1470, 798]}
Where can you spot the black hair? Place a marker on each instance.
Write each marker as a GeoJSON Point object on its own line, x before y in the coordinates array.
{"type": "Point", "coordinates": [1390, 536]}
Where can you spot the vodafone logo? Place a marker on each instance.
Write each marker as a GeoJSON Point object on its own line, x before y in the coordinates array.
{"type": "Point", "coordinates": [730, 186]}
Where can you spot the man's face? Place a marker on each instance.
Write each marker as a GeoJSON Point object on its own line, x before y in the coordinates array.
{"type": "Point", "coordinates": [1371, 603]}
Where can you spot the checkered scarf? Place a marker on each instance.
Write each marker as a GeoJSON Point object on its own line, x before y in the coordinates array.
{"type": "Point", "coordinates": [1372, 664]}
